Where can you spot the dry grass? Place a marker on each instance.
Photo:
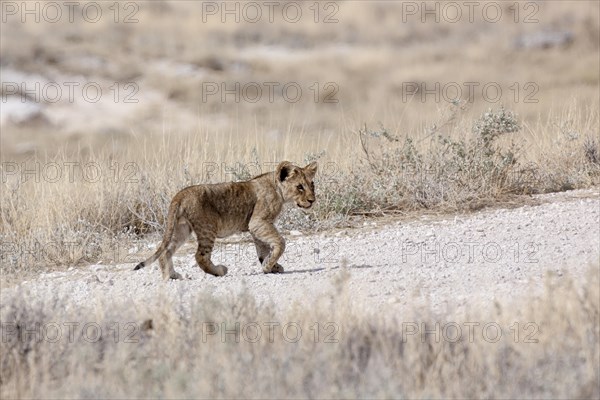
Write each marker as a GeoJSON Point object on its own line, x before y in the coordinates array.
{"type": "Point", "coordinates": [547, 348]}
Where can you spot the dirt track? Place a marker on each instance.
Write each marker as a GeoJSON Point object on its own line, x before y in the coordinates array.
{"type": "Point", "coordinates": [451, 262]}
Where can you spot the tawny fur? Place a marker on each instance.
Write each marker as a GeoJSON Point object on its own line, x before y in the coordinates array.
{"type": "Point", "coordinates": [218, 210]}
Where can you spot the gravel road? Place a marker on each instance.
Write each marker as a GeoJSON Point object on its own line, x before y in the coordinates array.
{"type": "Point", "coordinates": [450, 263]}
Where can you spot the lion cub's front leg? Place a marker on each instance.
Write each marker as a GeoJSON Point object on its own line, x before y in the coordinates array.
{"type": "Point", "coordinates": [269, 245]}
{"type": "Point", "coordinates": [262, 250]}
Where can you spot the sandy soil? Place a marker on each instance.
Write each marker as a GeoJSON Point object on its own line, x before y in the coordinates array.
{"type": "Point", "coordinates": [450, 263]}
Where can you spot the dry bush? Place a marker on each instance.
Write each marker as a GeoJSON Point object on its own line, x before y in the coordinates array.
{"type": "Point", "coordinates": [591, 149]}
{"type": "Point", "coordinates": [450, 171]}
{"type": "Point", "coordinates": [547, 347]}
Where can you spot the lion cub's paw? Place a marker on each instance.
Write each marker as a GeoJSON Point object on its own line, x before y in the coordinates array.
{"type": "Point", "coordinates": [175, 275]}
{"type": "Point", "coordinates": [277, 269]}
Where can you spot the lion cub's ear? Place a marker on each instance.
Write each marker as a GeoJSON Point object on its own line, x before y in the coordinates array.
{"type": "Point", "coordinates": [310, 170]}
{"type": "Point", "coordinates": [285, 169]}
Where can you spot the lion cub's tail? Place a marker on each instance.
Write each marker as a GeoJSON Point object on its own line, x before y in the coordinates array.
{"type": "Point", "coordinates": [171, 221]}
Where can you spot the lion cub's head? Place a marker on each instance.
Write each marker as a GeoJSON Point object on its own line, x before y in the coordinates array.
{"type": "Point", "coordinates": [296, 183]}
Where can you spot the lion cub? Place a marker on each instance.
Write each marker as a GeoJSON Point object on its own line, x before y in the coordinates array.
{"type": "Point", "coordinates": [218, 210]}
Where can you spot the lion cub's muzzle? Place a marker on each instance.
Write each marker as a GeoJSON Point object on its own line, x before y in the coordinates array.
{"type": "Point", "coordinates": [306, 204]}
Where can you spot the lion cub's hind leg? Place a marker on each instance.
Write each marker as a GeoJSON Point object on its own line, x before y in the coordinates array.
{"type": "Point", "coordinates": [180, 235]}
{"type": "Point", "coordinates": [206, 236]}
{"type": "Point", "coordinates": [205, 246]}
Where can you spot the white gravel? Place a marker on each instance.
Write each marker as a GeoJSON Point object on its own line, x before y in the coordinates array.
{"type": "Point", "coordinates": [448, 262]}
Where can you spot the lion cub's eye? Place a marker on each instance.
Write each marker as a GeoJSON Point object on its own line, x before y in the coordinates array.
{"type": "Point", "coordinates": [300, 188]}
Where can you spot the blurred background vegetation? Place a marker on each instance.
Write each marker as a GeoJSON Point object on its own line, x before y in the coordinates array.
{"type": "Point", "coordinates": [366, 55]}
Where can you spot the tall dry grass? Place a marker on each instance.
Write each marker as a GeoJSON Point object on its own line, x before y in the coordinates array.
{"type": "Point", "coordinates": [533, 347]}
